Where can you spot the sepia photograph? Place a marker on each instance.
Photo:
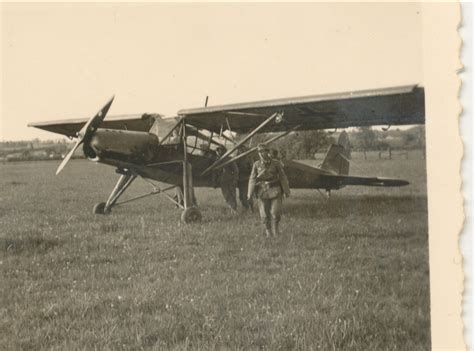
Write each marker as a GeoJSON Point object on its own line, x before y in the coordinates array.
{"type": "Point", "coordinates": [228, 176]}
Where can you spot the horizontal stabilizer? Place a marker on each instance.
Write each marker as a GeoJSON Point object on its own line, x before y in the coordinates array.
{"type": "Point", "coordinates": [365, 181]}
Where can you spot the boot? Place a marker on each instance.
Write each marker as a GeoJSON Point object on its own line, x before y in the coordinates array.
{"type": "Point", "coordinates": [267, 232]}
{"type": "Point", "coordinates": [275, 229]}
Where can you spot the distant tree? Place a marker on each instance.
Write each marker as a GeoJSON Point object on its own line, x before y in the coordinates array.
{"type": "Point", "coordinates": [413, 138]}
{"type": "Point", "coordinates": [409, 139]}
{"type": "Point", "coordinates": [369, 139]}
{"type": "Point", "coordinates": [298, 145]}
{"type": "Point", "coordinates": [383, 145]}
{"type": "Point", "coordinates": [365, 139]}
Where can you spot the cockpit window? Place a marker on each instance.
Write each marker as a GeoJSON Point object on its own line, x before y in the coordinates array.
{"type": "Point", "coordinates": [174, 138]}
{"type": "Point", "coordinates": [197, 142]}
{"type": "Point", "coordinates": [162, 127]}
{"type": "Point", "coordinates": [155, 128]}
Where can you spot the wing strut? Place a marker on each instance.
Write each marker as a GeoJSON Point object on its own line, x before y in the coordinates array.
{"type": "Point", "coordinates": [230, 130]}
{"type": "Point", "coordinates": [243, 154]}
{"type": "Point", "coordinates": [244, 140]}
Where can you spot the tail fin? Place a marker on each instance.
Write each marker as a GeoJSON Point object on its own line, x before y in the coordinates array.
{"type": "Point", "coordinates": [338, 156]}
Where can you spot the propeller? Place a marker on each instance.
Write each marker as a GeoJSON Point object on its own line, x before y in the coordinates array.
{"type": "Point", "coordinates": [86, 132]}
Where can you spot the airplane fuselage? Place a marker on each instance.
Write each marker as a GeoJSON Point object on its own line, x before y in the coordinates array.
{"type": "Point", "coordinates": [142, 153]}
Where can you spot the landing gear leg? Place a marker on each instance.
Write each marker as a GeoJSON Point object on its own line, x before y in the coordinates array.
{"type": "Point", "coordinates": [190, 213]}
{"type": "Point", "coordinates": [123, 183]}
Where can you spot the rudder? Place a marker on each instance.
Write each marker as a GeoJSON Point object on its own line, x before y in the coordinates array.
{"type": "Point", "coordinates": [338, 156]}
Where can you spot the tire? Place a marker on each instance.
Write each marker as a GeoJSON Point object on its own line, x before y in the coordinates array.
{"type": "Point", "coordinates": [191, 214]}
{"type": "Point", "coordinates": [100, 208]}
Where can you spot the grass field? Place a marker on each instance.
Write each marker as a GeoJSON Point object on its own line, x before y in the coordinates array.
{"type": "Point", "coordinates": [350, 273]}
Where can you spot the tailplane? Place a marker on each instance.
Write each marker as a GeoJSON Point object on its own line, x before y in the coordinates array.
{"type": "Point", "coordinates": [338, 156]}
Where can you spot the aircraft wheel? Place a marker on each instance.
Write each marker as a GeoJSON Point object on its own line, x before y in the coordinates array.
{"type": "Point", "coordinates": [100, 208]}
{"type": "Point", "coordinates": [191, 214]}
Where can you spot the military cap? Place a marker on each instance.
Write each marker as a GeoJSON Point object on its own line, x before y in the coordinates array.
{"type": "Point", "coordinates": [262, 147]}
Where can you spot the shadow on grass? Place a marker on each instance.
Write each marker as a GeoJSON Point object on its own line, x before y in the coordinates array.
{"type": "Point", "coordinates": [18, 246]}
{"type": "Point", "coordinates": [14, 182]}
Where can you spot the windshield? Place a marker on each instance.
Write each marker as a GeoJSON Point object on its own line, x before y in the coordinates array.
{"type": "Point", "coordinates": [162, 127]}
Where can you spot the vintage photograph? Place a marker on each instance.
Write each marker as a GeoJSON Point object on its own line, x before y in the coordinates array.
{"type": "Point", "coordinates": [215, 176]}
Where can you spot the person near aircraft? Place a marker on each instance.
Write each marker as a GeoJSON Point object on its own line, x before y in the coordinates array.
{"type": "Point", "coordinates": [275, 155]}
{"type": "Point", "coordinates": [245, 167]}
{"type": "Point", "coordinates": [269, 183]}
{"type": "Point", "coordinates": [227, 179]}
{"type": "Point", "coordinates": [174, 138]}
{"type": "Point", "coordinates": [128, 143]}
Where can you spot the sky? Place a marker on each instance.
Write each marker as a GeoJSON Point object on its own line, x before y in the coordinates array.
{"type": "Point", "coordinates": [65, 60]}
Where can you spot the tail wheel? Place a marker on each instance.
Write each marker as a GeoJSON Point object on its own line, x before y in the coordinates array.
{"type": "Point", "coordinates": [100, 208]}
{"type": "Point", "coordinates": [191, 214]}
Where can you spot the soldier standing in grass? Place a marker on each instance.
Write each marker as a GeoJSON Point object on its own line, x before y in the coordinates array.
{"type": "Point", "coordinates": [269, 183]}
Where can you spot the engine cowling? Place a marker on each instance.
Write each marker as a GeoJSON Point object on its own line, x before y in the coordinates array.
{"type": "Point", "coordinates": [124, 145]}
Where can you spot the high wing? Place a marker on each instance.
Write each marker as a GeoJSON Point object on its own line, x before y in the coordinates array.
{"type": "Point", "coordinates": [391, 106]}
{"type": "Point", "coordinates": [139, 123]}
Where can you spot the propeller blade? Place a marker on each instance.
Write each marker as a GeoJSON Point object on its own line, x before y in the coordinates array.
{"type": "Point", "coordinates": [86, 131]}
{"type": "Point", "coordinates": [95, 121]}
{"type": "Point", "coordinates": [68, 156]}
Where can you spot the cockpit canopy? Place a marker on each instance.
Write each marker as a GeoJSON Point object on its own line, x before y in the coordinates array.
{"type": "Point", "coordinates": [168, 133]}
{"type": "Point", "coordinates": [162, 127]}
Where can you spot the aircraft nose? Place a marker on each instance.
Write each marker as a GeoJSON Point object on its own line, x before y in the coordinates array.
{"type": "Point", "coordinates": [91, 148]}
{"type": "Point", "coordinates": [129, 145]}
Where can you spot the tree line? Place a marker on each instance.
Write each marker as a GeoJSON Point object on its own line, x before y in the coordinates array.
{"type": "Point", "coordinates": [296, 145]}
{"type": "Point", "coordinates": [305, 144]}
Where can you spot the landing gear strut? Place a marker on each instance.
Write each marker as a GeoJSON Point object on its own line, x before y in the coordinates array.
{"type": "Point", "coordinates": [191, 213]}
{"type": "Point", "coordinates": [123, 183]}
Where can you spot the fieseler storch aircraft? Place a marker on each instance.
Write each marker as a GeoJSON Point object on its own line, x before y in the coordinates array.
{"type": "Point", "coordinates": [179, 150]}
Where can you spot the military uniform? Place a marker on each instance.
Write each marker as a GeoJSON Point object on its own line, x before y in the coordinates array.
{"type": "Point", "coordinates": [228, 178]}
{"type": "Point", "coordinates": [268, 182]}
{"type": "Point", "coordinates": [245, 168]}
